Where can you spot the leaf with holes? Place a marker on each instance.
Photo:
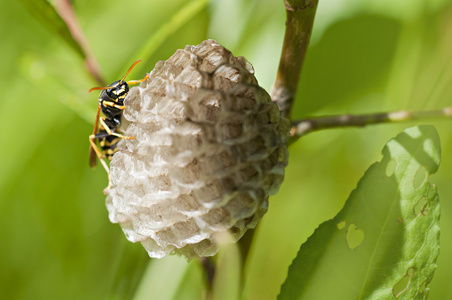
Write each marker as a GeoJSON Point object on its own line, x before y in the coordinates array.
{"type": "Point", "coordinates": [385, 241]}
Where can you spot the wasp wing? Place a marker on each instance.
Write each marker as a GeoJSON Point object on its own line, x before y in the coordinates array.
{"type": "Point", "coordinates": [92, 151]}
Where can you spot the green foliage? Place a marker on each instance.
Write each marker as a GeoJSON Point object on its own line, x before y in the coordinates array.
{"type": "Point", "coordinates": [57, 241]}
{"type": "Point", "coordinates": [171, 278]}
{"type": "Point", "coordinates": [227, 281]}
{"type": "Point", "coordinates": [375, 36]}
{"type": "Point", "coordinates": [180, 18]}
{"type": "Point", "coordinates": [46, 14]}
{"type": "Point", "coordinates": [385, 241]}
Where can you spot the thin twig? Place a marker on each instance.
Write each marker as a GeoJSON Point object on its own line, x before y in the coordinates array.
{"type": "Point", "coordinates": [66, 12]}
{"type": "Point", "coordinates": [209, 267]}
{"type": "Point", "coordinates": [305, 126]}
{"type": "Point", "coordinates": [300, 19]}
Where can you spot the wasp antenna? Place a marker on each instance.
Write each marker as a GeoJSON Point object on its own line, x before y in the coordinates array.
{"type": "Point", "coordinates": [130, 69]}
{"type": "Point", "coordinates": [99, 88]}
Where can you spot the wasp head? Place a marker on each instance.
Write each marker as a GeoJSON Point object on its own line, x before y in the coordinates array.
{"type": "Point", "coordinates": [118, 90]}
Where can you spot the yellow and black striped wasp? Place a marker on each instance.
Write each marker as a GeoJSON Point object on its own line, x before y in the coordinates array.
{"type": "Point", "coordinates": [111, 102]}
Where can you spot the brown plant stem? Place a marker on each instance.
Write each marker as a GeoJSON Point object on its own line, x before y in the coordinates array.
{"type": "Point", "coordinates": [209, 266]}
{"type": "Point", "coordinates": [66, 12]}
{"type": "Point", "coordinates": [299, 22]}
{"type": "Point", "coordinates": [305, 126]}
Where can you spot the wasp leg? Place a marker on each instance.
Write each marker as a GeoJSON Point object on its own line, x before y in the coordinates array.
{"type": "Point", "coordinates": [107, 189]}
{"type": "Point", "coordinates": [92, 140]}
{"type": "Point", "coordinates": [102, 122]}
{"type": "Point", "coordinates": [112, 104]}
{"type": "Point", "coordinates": [138, 81]}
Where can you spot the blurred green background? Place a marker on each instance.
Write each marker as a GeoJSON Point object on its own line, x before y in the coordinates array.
{"type": "Point", "coordinates": [57, 242]}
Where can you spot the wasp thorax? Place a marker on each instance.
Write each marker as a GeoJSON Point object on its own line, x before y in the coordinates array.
{"type": "Point", "coordinates": [209, 149]}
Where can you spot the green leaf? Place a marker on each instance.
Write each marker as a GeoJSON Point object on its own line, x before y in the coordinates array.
{"type": "Point", "coordinates": [45, 13]}
{"type": "Point", "coordinates": [179, 19]}
{"type": "Point", "coordinates": [226, 285]}
{"type": "Point", "coordinates": [385, 241]}
{"type": "Point", "coordinates": [377, 38]}
{"type": "Point", "coordinates": [164, 278]}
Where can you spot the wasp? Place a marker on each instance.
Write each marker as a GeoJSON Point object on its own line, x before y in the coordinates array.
{"type": "Point", "coordinates": [106, 129]}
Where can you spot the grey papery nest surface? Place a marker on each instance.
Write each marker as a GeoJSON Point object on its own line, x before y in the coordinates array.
{"type": "Point", "coordinates": [210, 147]}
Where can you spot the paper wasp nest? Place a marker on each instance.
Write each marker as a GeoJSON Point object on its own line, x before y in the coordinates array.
{"type": "Point", "coordinates": [209, 149]}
